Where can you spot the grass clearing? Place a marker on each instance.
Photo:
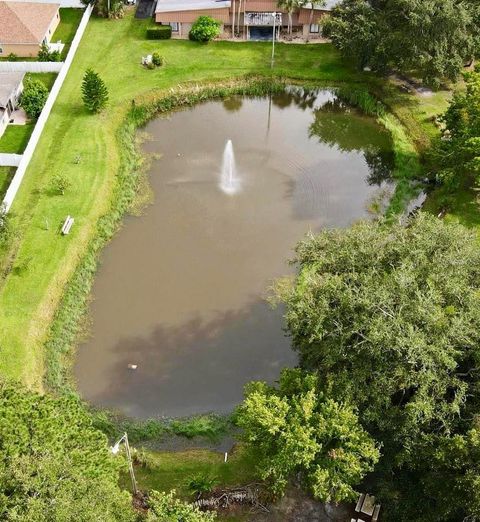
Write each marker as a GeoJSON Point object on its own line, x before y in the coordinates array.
{"type": "Point", "coordinates": [164, 471]}
{"type": "Point", "coordinates": [47, 78]}
{"type": "Point", "coordinates": [6, 175]}
{"type": "Point", "coordinates": [66, 29]}
{"type": "Point", "coordinates": [45, 262]}
{"type": "Point", "coordinates": [15, 138]}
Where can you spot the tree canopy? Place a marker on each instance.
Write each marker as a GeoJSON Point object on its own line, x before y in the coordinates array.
{"type": "Point", "coordinates": [390, 317]}
{"type": "Point", "coordinates": [457, 155]}
{"type": "Point", "coordinates": [433, 38]}
{"type": "Point", "coordinates": [294, 429]}
{"type": "Point", "coordinates": [54, 466]}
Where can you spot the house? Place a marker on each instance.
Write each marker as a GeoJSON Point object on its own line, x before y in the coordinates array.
{"type": "Point", "coordinates": [11, 87]}
{"type": "Point", "coordinates": [252, 19]}
{"type": "Point", "coordinates": [25, 26]}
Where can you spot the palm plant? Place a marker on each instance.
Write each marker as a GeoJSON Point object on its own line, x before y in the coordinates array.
{"type": "Point", "coordinates": [314, 4]}
{"type": "Point", "coordinates": [290, 6]}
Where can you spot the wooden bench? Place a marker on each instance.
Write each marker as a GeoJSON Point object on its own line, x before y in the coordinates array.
{"type": "Point", "coordinates": [376, 512]}
{"type": "Point", "coordinates": [361, 498]}
{"type": "Point", "coordinates": [67, 225]}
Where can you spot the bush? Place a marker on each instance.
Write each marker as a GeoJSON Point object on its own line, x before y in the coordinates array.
{"type": "Point", "coordinates": [157, 59]}
{"type": "Point", "coordinates": [45, 55]}
{"type": "Point", "coordinates": [12, 57]}
{"type": "Point", "coordinates": [204, 29]}
{"type": "Point", "coordinates": [162, 32]}
{"type": "Point", "coordinates": [60, 183]}
{"type": "Point", "coordinates": [33, 98]}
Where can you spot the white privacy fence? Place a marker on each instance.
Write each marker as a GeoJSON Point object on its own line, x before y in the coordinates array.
{"type": "Point", "coordinates": [37, 132]}
{"type": "Point", "coordinates": [63, 3]}
{"type": "Point", "coordinates": [10, 160]}
{"type": "Point", "coordinates": [33, 67]}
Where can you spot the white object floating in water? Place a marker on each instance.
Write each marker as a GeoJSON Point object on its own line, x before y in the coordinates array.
{"type": "Point", "coordinates": [132, 366]}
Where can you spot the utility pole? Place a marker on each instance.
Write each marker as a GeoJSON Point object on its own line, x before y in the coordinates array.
{"type": "Point", "coordinates": [273, 41]}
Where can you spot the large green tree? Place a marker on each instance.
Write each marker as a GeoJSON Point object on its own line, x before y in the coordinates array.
{"type": "Point", "coordinates": [390, 317]}
{"type": "Point", "coordinates": [293, 429]}
{"type": "Point", "coordinates": [457, 154]}
{"type": "Point", "coordinates": [433, 38]}
{"type": "Point", "coordinates": [94, 91]}
{"type": "Point", "coordinates": [54, 466]}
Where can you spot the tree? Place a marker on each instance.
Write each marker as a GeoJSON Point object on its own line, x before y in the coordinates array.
{"type": "Point", "coordinates": [164, 507]}
{"type": "Point", "coordinates": [390, 317]}
{"type": "Point", "coordinates": [314, 4]}
{"type": "Point", "coordinates": [54, 466]}
{"type": "Point", "coordinates": [290, 6]}
{"type": "Point", "coordinates": [433, 38]}
{"type": "Point", "coordinates": [294, 429]}
{"type": "Point", "coordinates": [33, 98]}
{"type": "Point", "coordinates": [112, 9]}
{"type": "Point", "coordinates": [457, 154]}
{"type": "Point", "coordinates": [94, 91]}
{"type": "Point", "coordinates": [45, 55]}
{"type": "Point", "coordinates": [204, 29]}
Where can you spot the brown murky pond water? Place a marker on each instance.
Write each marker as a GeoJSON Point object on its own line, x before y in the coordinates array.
{"type": "Point", "coordinates": [180, 290]}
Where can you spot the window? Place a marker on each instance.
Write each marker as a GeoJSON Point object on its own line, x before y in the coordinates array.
{"type": "Point", "coordinates": [314, 28]}
{"type": "Point", "coordinates": [1, 50]}
{"type": "Point", "coordinates": [174, 26]}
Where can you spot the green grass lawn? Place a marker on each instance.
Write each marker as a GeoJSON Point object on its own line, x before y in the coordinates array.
{"type": "Point", "coordinates": [15, 138]}
{"type": "Point", "coordinates": [171, 470]}
{"type": "Point", "coordinates": [47, 78]}
{"type": "Point", "coordinates": [69, 20]}
{"type": "Point", "coordinates": [29, 296]}
{"type": "Point", "coordinates": [6, 175]}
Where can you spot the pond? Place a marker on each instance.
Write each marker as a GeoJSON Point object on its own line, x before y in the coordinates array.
{"type": "Point", "coordinates": [180, 292]}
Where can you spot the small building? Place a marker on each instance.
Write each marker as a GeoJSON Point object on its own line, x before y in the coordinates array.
{"type": "Point", "coordinates": [25, 26]}
{"type": "Point", "coordinates": [250, 19]}
{"type": "Point", "coordinates": [11, 87]}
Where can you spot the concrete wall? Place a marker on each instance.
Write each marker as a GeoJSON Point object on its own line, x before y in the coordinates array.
{"type": "Point", "coordinates": [37, 132]}
{"type": "Point", "coordinates": [51, 28]}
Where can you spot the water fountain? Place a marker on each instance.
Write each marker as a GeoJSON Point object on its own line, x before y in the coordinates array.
{"type": "Point", "coordinates": [229, 182]}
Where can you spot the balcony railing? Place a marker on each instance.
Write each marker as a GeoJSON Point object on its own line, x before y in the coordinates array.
{"type": "Point", "coordinates": [262, 19]}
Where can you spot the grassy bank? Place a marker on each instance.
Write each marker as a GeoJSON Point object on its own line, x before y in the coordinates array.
{"type": "Point", "coordinates": [164, 471]}
{"type": "Point", "coordinates": [97, 154]}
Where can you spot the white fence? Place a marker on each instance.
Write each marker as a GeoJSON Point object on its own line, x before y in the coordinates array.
{"type": "Point", "coordinates": [37, 132]}
{"type": "Point", "coordinates": [10, 160]}
{"type": "Point", "coordinates": [33, 67]}
{"type": "Point", "coordinates": [63, 3]}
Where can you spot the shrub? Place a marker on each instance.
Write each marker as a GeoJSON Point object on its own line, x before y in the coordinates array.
{"type": "Point", "coordinates": [94, 91]}
{"type": "Point", "coordinates": [4, 225]}
{"type": "Point", "coordinates": [60, 183]}
{"type": "Point", "coordinates": [204, 29]}
{"type": "Point", "coordinates": [157, 59]}
{"type": "Point", "coordinates": [12, 57]}
{"type": "Point", "coordinates": [33, 98]}
{"type": "Point", "coordinates": [113, 9]}
{"type": "Point", "coordinates": [162, 32]}
{"type": "Point", "coordinates": [200, 484]}
{"type": "Point", "coordinates": [45, 55]}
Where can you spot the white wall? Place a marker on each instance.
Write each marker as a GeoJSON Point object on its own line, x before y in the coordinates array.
{"type": "Point", "coordinates": [10, 160]}
{"type": "Point", "coordinates": [37, 132]}
{"type": "Point", "coordinates": [34, 67]}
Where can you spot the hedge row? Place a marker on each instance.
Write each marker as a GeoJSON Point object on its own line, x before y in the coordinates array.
{"type": "Point", "coordinates": [162, 32]}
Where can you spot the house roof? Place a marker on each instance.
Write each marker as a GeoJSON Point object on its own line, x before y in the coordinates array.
{"type": "Point", "coordinates": [25, 22]}
{"type": "Point", "coordinates": [167, 6]}
{"type": "Point", "coordinates": [9, 82]}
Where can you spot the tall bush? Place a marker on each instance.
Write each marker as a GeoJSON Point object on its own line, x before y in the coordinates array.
{"type": "Point", "coordinates": [33, 98]}
{"type": "Point", "coordinates": [204, 29]}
